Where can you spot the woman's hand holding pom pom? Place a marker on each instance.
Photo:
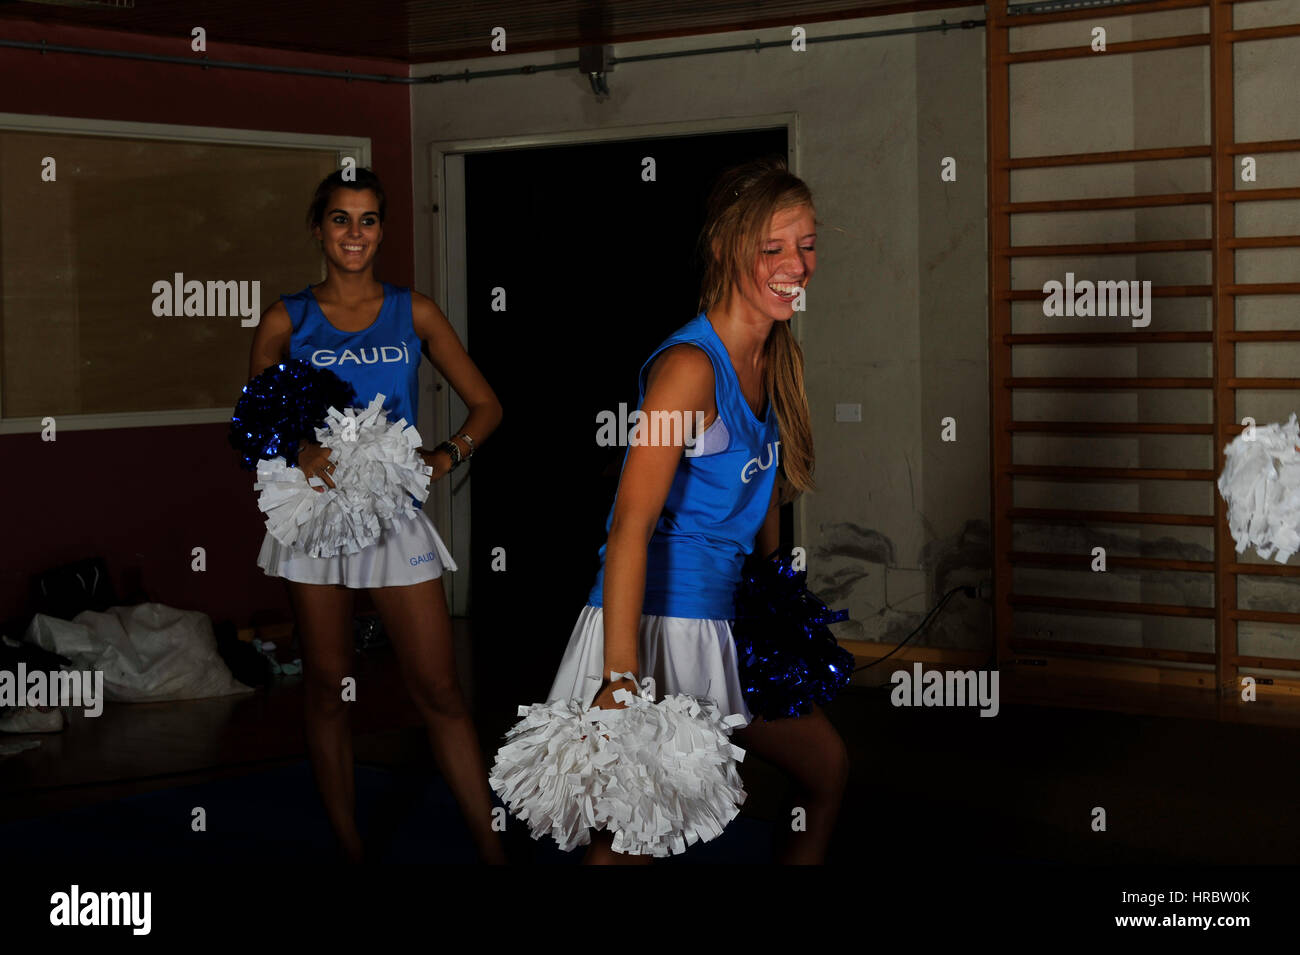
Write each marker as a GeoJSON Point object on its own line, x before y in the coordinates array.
{"type": "Point", "coordinates": [659, 776]}
{"type": "Point", "coordinates": [369, 465]}
{"type": "Point", "coordinates": [605, 698]}
{"type": "Point", "coordinates": [314, 461]}
{"type": "Point", "coordinates": [440, 461]}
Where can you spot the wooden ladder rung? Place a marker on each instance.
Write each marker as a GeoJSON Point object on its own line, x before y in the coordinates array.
{"type": "Point", "coordinates": [1113, 427]}
{"type": "Point", "coordinates": [1261, 242]}
{"type": "Point", "coordinates": [1109, 606]}
{"type": "Point", "coordinates": [1263, 145]}
{"type": "Point", "coordinates": [1111, 650]}
{"type": "Point", "coordinates": [1084, 561]}
{"type": "Point", "coordinates": [1267, 663]}
{"type": "Point", "coordinates": [1265, 616]}
{"type": "Point", "coordinates": [1261, 383]}
{"type": "Point", "coordinates": [1112, 49]}
{"type": "Point", "coordinates": [1090, 473]}
{"type": "Point", "coordinates": [1263, 33]}
{"type": "Point", "coordinates": [1108, 248]}
{"type": "Point", "coordinates": [1156, 154]}
{"type": "Point", "coordinates": [1271, 335]}
{"type": "Point", "coordinates": [1263, 288]}
{"type": "Point", "coordinates": [1066, 384]}
{"type": "Point", "coordinates": [1110, 517]}
{"type": "Point", "coordinates": [1157, 291]}
{"type": "Point", "coordinates": [1264, 570]}
{"type": "Point", "coordinates": [1104, 338]}
{"type": "Point", "coordinates": [1096, 203]}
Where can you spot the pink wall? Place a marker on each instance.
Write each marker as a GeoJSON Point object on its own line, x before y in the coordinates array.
{"type": "Point", "coordinates": [143, 498]}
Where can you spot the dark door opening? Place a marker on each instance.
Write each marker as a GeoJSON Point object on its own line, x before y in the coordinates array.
{"type": "Point", "coordinates": [598, 267]}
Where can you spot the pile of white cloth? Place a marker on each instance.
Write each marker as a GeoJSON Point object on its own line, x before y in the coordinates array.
{"type": "Point", "coordinates": [146, 652]}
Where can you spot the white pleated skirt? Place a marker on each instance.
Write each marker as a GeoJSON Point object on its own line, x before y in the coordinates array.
{"type": "Point", "coordinates": [683, 654]}
{"type": "Point", "coordinates": [409, 552]}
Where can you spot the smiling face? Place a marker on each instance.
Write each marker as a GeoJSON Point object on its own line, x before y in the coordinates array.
{"type": "Point", "coordinates": [786, 259]}
{"type": "Point", "coordinates": [350, 230]}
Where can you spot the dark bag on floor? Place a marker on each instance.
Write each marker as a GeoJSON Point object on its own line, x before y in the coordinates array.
{"type": "Point", "coordinates": [66, 591]}
{"type": "Point", "coordinates": [246, 664]}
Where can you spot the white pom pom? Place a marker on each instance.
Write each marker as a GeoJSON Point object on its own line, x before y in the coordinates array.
{"type": "Point", "coordinates": [675, 782]}
{"type": "Point", "coordinates": [550, 772]}
{"type": "Point", "coordinates": [659, 776]}
{"type": "Point", "coordinates": [1261, 485]}
{"type": "Point", "coordinates": [377, 471]}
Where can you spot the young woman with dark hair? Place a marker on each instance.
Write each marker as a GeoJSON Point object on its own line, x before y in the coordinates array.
{"type": "Point", "coordinates": [372, 334]}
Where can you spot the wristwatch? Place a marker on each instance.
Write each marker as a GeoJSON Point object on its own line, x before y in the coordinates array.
{"type": "Point", "coordinates": [453, 451]}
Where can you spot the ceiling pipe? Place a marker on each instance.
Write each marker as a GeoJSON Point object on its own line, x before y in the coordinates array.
{"type": "Point", "coordinates": [942, 26]}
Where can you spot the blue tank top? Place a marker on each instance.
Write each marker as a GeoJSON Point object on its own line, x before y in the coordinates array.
{"type": "Point", "coordinates": [383, 358]}
{"type": "Point", "coordinates": [717, 502]}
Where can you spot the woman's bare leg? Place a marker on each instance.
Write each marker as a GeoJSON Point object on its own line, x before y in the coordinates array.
{"type": "Point", "coordinates": [810, 750]}
{"type": "Point", "coordinates": [601, 852]}
{"type": "Point", "coordinates": [419, 628]}
{"type": "Point", "coordinates": [324, 615]}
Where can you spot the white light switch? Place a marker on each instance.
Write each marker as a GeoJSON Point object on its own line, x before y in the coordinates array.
{"type": "Point", "coordinates": [848, 412]}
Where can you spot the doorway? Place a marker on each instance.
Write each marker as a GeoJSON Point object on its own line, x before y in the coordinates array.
{"type": "Point", "coordinates": [597, 267]}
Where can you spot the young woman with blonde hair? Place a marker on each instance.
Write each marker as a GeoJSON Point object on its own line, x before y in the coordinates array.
{"type": "Point", "coordinates": [683, 521]}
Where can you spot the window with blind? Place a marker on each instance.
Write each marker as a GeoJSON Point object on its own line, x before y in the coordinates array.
{"type": "Point", "coordinates": [131, 259]}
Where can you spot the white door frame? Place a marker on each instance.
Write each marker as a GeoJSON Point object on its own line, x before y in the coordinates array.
{"type": "Point", "coordinates": [444, 273]}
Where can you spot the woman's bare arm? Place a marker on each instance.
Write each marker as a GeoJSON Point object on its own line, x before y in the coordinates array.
{"type": "Point", "coordinates": [271, 340]}
{"type": "Point", "coordinates": [680, 380]}
{"type": "Point", "coordinates": [443, 348]}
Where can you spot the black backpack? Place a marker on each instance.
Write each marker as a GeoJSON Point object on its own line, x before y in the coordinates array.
{"type": "Point", "coordinates": [66, 591]}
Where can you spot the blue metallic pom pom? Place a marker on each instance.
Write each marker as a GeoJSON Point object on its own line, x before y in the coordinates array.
{"type": "Point", "coordinates": [788, 658]}
{"type": "Point", "coordinates": [282, 405]}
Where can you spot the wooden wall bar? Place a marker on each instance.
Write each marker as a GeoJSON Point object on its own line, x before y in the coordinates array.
{"type": "Point", "coordinates": [1223, 385]}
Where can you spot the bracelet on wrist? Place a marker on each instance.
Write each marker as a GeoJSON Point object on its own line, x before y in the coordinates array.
{"type": "Point", "coordinates": [452, 450]}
